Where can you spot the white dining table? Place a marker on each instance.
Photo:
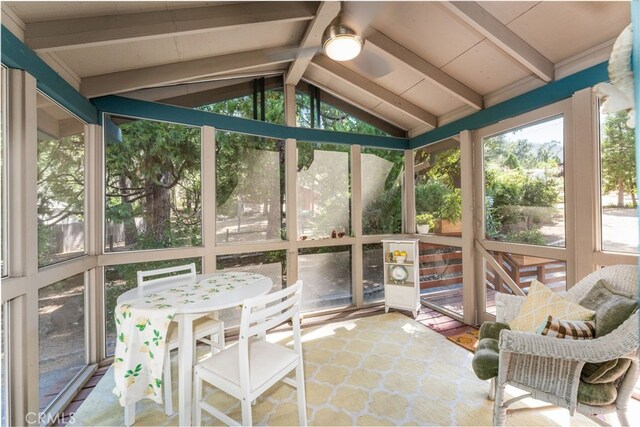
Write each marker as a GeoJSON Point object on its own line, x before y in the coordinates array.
{"type": "Point", "coordinates": [185, 315]}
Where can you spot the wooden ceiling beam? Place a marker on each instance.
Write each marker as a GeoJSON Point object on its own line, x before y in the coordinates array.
{"type": "Point", "coordinates": [379, 92]}
{"type": "Point", "coordinates": [327, 11]}
{"type": "Point", "coordinates": [430, 72]}
{"type": "Point", "coordinates": [500, 35]}
{"type": "Point", "coordinates": [125, 81]}
{"type": "Point", "coordinates": [100, 30]}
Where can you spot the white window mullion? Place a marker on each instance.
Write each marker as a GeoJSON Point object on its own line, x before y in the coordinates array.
{"type": "Point", "coordinates": [208, 177]}
{"type": "Point", "coordinates": [356, 226]}
{"type": "Point", "coordinates": [23, 242]}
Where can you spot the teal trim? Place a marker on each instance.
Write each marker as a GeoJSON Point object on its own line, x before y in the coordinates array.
{"type": "Point", "coordinates": [119, 105]}
{"type": "Point", "coordinates": [537, 98]}
{"type": "Point", "coordinates": [16, 54]}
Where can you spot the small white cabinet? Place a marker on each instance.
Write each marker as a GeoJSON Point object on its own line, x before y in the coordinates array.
{"type": "Point", "coordinates": [401, 274]}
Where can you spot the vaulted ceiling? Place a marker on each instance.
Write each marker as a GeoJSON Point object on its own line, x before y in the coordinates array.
{"type": "Point", "coordinates": [423, 63]}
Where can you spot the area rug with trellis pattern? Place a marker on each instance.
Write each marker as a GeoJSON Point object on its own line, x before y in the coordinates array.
{"type": "Point", "coordinates": [379, 370]}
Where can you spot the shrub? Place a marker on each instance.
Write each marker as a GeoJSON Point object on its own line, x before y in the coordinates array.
{"type": "Point", "coordinates": [430, 196]}
{"type": "Point", "coordinates": [451, 208]}
{"type": "Point", "coordinates": [530, 237]}
{"type": "Point", "coordinates": [539, 192]}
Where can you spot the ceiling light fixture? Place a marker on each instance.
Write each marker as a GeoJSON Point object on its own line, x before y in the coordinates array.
{"type": "Point", "coordinates": [341, 43]}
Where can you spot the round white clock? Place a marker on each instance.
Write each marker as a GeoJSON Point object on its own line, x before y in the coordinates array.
{"type": "Point", "coordinates": [399, 273]}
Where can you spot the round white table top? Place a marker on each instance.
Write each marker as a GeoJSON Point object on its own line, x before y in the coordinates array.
{"type": "Point", "coordinates": [230, 298]}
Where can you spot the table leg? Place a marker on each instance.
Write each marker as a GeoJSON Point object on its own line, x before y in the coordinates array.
{"type": "Point", "coordinates": [130, 414]}
{"type": "Point", "coordinates": [185, 368]}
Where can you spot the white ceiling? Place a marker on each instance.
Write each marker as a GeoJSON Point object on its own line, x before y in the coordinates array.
{"type": "Point", "coordinates": [457, 65]}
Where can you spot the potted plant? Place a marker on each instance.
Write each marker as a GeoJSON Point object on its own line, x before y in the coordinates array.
{"type": "Point", "coordinates": [424, 223]}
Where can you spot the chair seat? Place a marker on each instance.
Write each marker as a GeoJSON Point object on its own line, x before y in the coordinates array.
{"type": "Point", "coordinates": [201, 327]}
{"type": "Point", "coordinates": [266, 360]}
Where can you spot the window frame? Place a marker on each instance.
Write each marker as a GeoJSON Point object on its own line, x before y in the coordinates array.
{"type": "Point", "coordinates": [484, 245]}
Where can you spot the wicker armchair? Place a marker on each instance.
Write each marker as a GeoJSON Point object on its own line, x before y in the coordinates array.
{"type": "Point", "coordinates": [549, 368]}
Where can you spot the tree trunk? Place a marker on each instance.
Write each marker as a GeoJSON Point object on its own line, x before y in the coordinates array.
{"type": "Point", "coordinates": [158, 209]}
{"type": "Point", "coordinates": [130, 230]}
{"type": "Point", "coordinates": [620, 194]}
{"type": "Point", "coordinates": [634, 200]}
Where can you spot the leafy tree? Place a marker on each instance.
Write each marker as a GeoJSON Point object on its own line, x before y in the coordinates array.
{"type": "Point", "coordinates": [235, 171]}
{"type": "Point", "coordinates": [618, 158]}
{"type": "Point", "coordinates": [438, 184]}
{"type": "Point", "coordinates": [60, 188]}
{"type": "Point", "coordinates": [384, 214]}
{"type": "Point", "coordinates": [154, 173]}
{"type": "Point", "coordinates": [331, 118]}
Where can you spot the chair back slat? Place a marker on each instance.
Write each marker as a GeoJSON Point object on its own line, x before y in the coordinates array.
{"type": "Point", "coordinates": [258, 316]}
{"type": "Point", "coordinates": [166, 274]}
{"type": "Point", "coordinates": [262, 327]}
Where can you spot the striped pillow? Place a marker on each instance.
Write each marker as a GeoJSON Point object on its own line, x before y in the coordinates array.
{"type": "Point", "coordinates": [576, 329]}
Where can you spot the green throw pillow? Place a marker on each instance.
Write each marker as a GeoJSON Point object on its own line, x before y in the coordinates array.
{"type": "Point", "coordinates": [492, 330]}
{"type": "Point", "coordinates": [607, 372]}
{"type": "Point", "coordinates": [596, 394]}
{"type": "Point", "coordinates": [485, 361]}
{"type": "Point", "coordinates": [612, 308]}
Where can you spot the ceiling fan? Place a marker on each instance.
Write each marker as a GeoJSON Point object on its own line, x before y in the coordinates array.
{"type": "Point", "coordinates": [344, 39]}
{"type": "Point", "coordinates": [345, 36]}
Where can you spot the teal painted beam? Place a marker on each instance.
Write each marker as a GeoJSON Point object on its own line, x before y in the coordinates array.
{"type": "Point", "coordinates": [537, 98]}
{"type": "Point", "coordinates": [119, 105]}
{"type": "Point", "coordinates": [16, 54]}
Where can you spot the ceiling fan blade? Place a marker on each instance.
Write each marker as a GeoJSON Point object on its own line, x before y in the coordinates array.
{"type": "Point", "coordinates": [295, 52]}
{"type": "Point", "coordinates": [372, 65]}
{"type": "Point", "coordinates": [360, 14]}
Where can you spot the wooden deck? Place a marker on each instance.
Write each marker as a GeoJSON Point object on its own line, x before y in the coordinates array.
{"type": "Point", "coordinates": [432, 319]}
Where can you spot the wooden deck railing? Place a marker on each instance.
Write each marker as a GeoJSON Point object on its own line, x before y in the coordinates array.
{"type": "Point", "coordinates": [441, 266]}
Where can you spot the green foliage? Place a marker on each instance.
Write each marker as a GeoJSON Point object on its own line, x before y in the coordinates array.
{"type": "Point", "coordinates": [60, 189]}
{"type": "Point", "coordinates": [426, 219]}
{"type": "Point", "coordinates": [530, 237]}
{"type": "Point", "coordinates": [384, 214]}
{"type": "Point", "coordinates": [154, 174]}
{"type": "Point", "coordinates": [512, 162]}
{"type": "Point", "coordinates": [438, 184]}
{"type": "Point", "coordinates": [430, 196]}
{"type": "Point", "coordinates": [331, 118]}
{"type": "Point", "coordinates": [522, 188]}
{"type": "Point", "coordinates": [539, 192]}
{"type": "Point", "coordinates": [451, 209]}
{"type": "Point", "coordinates": [618, 157]}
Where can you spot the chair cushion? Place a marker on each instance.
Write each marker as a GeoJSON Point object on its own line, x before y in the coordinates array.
{"type": "Point", "coordinates": [202, 327]}
{"type": "Point", "coordinates": [542, 302]}
{"type": "Point", "coordinates": [265, 360]}
{"type": "Point", "coordinates": [612, 307]}
{"type": "Point", "coordinates": [597, 394]}
{"type": "Point", "coordinates": [606, 372]}
{"type": "Point", "coordinates": [492, 330]}
{"type": "Point", "coordinates": [485, 361]}
{"type": "Point", "coordinates": [576, 329]}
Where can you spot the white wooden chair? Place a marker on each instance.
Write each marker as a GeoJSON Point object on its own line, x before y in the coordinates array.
{"type": "Point", "coordinates": [207, 329]}
{"type": "Point", "coordinates": [248, 368]}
